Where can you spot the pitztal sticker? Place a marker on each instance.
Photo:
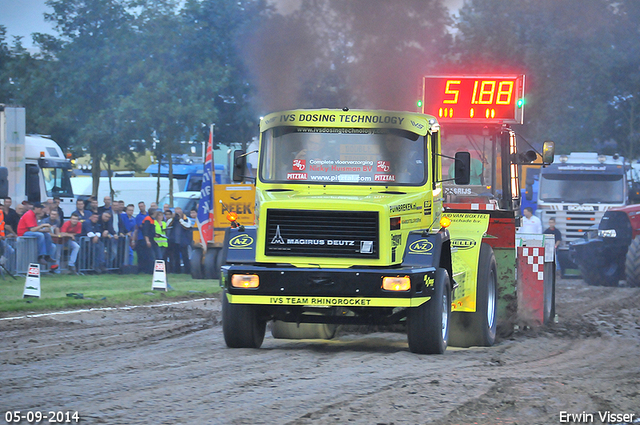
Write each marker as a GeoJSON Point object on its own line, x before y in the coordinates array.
{"type": "Point", "coordinates": [241, 242]}
{"type": "Point", "coordinates": [421, 246]}
{"type": "Point", "coordinates": [296, 176]}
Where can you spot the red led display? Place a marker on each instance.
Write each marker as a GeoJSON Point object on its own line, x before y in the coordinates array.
{"type": "Point", "coordinates": [475, 99]}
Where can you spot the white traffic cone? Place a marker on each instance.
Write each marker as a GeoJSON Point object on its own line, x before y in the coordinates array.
{"type": "Point", "coordinates": [32, 284]}
{"type": "Point", "coordinates": [159, 276]}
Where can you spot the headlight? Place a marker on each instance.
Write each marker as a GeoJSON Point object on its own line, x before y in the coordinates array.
{"type": "Point", "coordinates": [245, 281]}
{"type": "Point", "coordinates": [608, 233]}
{"type": "Point", "coordinates": [396, 283]}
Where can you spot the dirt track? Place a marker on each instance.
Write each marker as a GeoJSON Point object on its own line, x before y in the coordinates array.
{"type": "Point", "coordinates": [169, 365]}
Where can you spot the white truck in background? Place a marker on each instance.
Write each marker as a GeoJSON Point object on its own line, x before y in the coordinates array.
{"type": "Point", "coordinates": [576, 190]}
{"type": "Point", "coordinates": [37, 167]}
{"type": "Point", "coordinates": [131, 190]}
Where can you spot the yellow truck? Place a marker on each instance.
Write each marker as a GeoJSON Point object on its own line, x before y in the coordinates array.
{"type": "Point", "coordinates": [350, 229]}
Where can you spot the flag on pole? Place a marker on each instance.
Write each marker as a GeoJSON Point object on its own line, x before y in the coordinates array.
{"type": "Point", "coordinates": [206, 205]}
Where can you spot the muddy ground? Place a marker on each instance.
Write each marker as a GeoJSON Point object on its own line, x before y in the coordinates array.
{"type": "Point", "coordinates": [169, 365]}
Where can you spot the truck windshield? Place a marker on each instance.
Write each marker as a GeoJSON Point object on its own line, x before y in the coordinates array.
{"type": "Point", "coordinates": [581, 188]}
{"type": "Point", "coordinates": [342, 156]}
{"type": "Point", "coordinates": [485, 177]}
{"type": "Point", "coordinates": [57, 181]}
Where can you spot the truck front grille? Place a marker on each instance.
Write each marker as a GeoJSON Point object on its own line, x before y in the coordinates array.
{"type": "Point", "coordinates": [338, 234]}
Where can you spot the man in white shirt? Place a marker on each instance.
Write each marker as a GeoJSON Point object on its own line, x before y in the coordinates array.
{"type": "Point", "coordinates": [530, 223]}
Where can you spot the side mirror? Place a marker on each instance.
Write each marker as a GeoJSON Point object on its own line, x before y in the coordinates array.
{"type": "Point", "coordinates": [4, 182]}
{"type": "Point", "coordinates": [239, 165]}
{"type": "Point", "coordinates": [462, 168]}
{"type": "Point", "coordinates": [548, 150]}
{"type": "Point", "coordinates": [528, 193]}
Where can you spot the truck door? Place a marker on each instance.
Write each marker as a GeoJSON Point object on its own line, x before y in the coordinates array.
{"type": "Point", "coordinates": [33, 183]}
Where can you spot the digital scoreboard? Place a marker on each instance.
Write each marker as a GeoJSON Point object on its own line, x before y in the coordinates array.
{"type": "Point", "coordinates": [474, 99]}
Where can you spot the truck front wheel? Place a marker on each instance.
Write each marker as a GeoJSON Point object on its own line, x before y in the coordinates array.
{"type": "Point", "coordinates": [479, 328]}
{"type": "Point", "coordinates": [241, 325]}
{"type": "Point", "coordinates": [428, 324]}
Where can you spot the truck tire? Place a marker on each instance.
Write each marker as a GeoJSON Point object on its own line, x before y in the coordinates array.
{"type": "Point", "coordinates": [241, 326]}
{"type": "Point", "coordinates": [632, 264]}
{"type": "Point", "coordinates": [428, 324]}
{"type": "Point", "coordinates": [286, 330]}
{"type": "Point", "coordinates": [479, 328]}
{"type": "Point", "coordinates": [195, 263]}
{"type": "Point", "coordinates": [607, 276]}
{"type": "Point", "coordinates": [211, 267]}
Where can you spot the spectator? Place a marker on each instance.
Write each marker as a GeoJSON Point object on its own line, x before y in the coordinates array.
{"type": "Point", "coordinates": [193, 217]}
{"type": "Point", "coordinates": [28, 226]}
{"type": "Point", "coordinates": [48, 206]}
{"type": "Point", "coordinates": [83, 214]}
{"type": "Point", "coordinates": [553, 230]}
{"type": "Point", "coordinates": [70, 229]}
{"type": "Point", "coordinates": [6, 250]}
{"type": "Point", "coordinates": [92, 229]}
{"type": "Point", "coordinates": [146, 254]}
{"type": "Point", "coordinates": [184, 236]}
{"type": "Point", "coordinates": [20, 210]}
{"type": "Point", "coordinates": [106, 207]}
{"type": "Point", "coordinates": [172, 253]}
{"type": "Point", "coordinates": [129, 223]}
{"type": "Point", "coordinates": [11, 218]}
{"type": "Point", "coordinates": [160, 237]}
{"type": "Point", "coordinates": [110, 237]}
{"type": "Point", "coordinates": [116, 221]}
{"type": "Point", "coordinates": [54, 221]}
{"type": "Point", "coordinates": [56, 202]}
{"type": "Point", "coordinates": [93, 205]}
{"type": "Point", "coordinates": [530, 223]}
{"type": "Point", "coordinates": [138, 239]}
{"type": "Point", "coordinates": [166, 207]}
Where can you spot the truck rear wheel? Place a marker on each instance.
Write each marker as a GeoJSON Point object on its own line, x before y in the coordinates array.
{"type": "Point", "coordinates": [211, 266]}
{"type": "Point", "coordinates": [428, 324]}
{"type": "Point", "coordinates": [632, 263]}
{"type": "Point", "coordinates": [241, 325]}
{"type": "Point", "coordinates": [195, 263]}
{"type": "Point", "coordinates": [479, 328]}
{"type": "Point", "coordinates": [286, 330]}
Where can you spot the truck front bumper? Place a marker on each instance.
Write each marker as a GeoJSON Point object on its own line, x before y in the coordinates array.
{"type": "Point", "coordinates": [316, 287]}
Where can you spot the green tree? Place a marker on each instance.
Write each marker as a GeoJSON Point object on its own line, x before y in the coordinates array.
{"type": "Point", "coordinates": [92, 55]}
{"type": "Point", "coordinates": [566, 51]}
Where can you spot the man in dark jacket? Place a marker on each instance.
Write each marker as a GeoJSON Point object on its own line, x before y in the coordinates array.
{"type": "Point", "coordinates": [92, 228]}
{"type": "Point", "coordinates": [146, 256]}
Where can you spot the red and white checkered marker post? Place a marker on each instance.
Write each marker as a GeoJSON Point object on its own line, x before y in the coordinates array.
{"type": "Point", "coordinates": [531, 284]}
{"type": "Point", "coordinates": [159, 276]}
{"type": "Point", "coordinates": [32, 284]}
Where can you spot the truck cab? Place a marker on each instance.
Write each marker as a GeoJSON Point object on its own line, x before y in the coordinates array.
{"type": "Point", "coordinates": [348, 210]}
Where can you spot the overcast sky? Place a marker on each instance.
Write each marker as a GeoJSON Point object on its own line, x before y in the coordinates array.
{"type": "Point", "coordinates": [24, 17]}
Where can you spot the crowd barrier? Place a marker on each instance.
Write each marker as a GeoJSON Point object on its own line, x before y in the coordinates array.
{"type": "Point", "coordinates": [106, 254]}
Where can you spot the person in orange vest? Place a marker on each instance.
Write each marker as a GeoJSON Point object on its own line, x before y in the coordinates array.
{"type": "Point", "coordinates": [6, 250]}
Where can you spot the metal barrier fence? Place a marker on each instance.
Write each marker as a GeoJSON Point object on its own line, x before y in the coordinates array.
{"type": "Point", "coordinates": [106, 254]}
{"type": "Point", "coordinates": [103, 254]}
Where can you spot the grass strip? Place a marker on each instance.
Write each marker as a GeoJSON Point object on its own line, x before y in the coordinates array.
{"type": "Point", "coordinates": [60, 292]}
